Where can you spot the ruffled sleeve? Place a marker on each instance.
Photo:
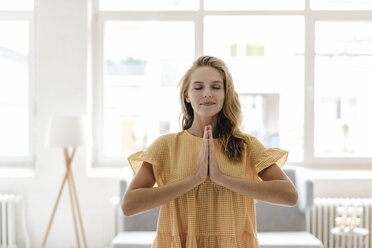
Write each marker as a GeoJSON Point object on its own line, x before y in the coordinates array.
{"type": "Point", "coordinates": [156, 154]}
{"type": "Point", "coordinates": [262, 157]}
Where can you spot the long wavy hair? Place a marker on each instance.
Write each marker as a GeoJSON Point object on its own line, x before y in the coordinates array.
{"type": "Point", "coordinates": [228, 119]}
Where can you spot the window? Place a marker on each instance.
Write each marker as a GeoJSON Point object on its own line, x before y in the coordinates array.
{"type": "Point", "coordinates": [15, 93]}
{"type": "Point", "coordinates": [272, 44]}
{"type": "Point", "coordinates": [16, 5]}
{"type": "Point", "coordinates": [341, 4]}
{"type": "Point", "coordinates": [149, 5]}
{"type": "Point", "coordinates": [143, 63]}
{"type": "Point", "coordinates": [301, 74]}
{"type": "Point", "coordinates": [343, 69]}
{"type": "Point", "coordinates": [254, 5]}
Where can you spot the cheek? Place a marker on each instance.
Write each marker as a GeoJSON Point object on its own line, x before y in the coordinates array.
{"type": "Point", "coordinates": [193, 100]}
{"type": "Point", "coordinates": [221, 98]}
{"type": "Point", "coordinates": [189, 96]}
{"type": "Point", "coordinates": [195, 96]}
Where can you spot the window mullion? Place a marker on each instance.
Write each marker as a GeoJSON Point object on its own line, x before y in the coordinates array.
{"type": "Point", "coordinates": [199, 34]}
{"type": "Point", "coordinates": [341, 15]}
{"type": "Point", "coordinates": [16, 15]}
{"type": "Point", "coordinates": [98, 117]}
{"type": "Point", "coordinates": [309, 88]}
{"type": "Point", "coordinates": [32, 109]}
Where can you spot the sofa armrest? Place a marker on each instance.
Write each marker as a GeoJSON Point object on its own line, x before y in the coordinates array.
{"type": "Point", "coordinates": [305, 190]}
{"type": "Point", "coordinates": [144, 221]}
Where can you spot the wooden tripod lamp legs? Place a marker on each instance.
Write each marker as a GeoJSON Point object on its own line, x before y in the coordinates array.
{"type": "Point", "coordinates": [73, 200]}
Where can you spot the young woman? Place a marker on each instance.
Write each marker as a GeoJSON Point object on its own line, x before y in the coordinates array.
{"type": "Point", "coordinates": [208, 176]}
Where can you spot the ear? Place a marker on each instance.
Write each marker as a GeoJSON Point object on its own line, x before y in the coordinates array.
{"type": "Point", "coordinates": [187, 99]}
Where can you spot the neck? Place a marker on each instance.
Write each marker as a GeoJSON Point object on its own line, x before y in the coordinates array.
{"type": "Point", "coordinates": [197, 127]}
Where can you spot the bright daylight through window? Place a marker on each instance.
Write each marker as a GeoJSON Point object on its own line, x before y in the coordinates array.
{"type": "Point", "coordinates": [343, 69]}
{"type": "Point", "coordinates": [144, 61]}
{"type": "Point", "coordinates": [147, 48]}
{"type": "Point", "coordinates": [15, 18]}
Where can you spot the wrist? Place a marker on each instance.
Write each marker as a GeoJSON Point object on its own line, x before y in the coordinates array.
{"type": "Point", "coordinates": [196, 179]}
{"type": "Point", "coordinates": [219, 179]}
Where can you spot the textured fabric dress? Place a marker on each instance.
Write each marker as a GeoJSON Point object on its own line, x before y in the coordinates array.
{"type": "Point", "coordinates": [209, 215]}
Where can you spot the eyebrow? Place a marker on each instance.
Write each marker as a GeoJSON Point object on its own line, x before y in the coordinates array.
{"type": "Point", "coordinates": [199, 82]}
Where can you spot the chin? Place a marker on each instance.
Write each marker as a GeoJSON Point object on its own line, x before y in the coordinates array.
{"type": "Point", "coordinates": [207, 114]}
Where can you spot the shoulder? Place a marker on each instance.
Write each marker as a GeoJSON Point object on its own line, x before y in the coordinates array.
{"type": "Point", "coordinates": [253, 144]}
{"type": "Point", "coordinates": [249, 138]}
{"type": "Point", "coordinates": [164, 140]}
{"type": "Point", "coordinates": [169, 137]}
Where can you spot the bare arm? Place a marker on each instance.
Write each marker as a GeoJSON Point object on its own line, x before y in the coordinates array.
{"type": "Point", "coordinates": [276, 187]}
{"type": "Point", "coordinates": [141, 195]}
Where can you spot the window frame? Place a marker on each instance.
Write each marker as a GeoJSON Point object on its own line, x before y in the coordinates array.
{"type": "Point", "coordinates": [197, 16]}
{"type": "Point", "coordinates": [25, 161]}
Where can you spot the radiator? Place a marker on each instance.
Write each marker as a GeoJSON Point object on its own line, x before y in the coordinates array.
{"type": "Point", "coordinates": [321, 219]}
{"type": "Point", "coordinates": [13, 233]}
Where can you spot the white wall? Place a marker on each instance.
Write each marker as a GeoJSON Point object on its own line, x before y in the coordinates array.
{"type": "Point", "coordinates": [61, 88]}
{"type": "Point", "coordinates": [342, 183]}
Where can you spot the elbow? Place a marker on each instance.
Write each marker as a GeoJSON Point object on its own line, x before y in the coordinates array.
{"type": "Point", "coordinates": [125, 210]}
{"type": "Point", "coordinates": [293, 197]}
{"type": "Point", "coordinates": [125, 207]}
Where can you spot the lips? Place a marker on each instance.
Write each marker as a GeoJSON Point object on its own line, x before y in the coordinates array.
{"type": "Point", "coordinates": [207, 103]}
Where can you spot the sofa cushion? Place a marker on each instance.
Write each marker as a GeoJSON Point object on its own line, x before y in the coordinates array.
{"type": "Point", "coordinates": [276, 218]}
{"type": "Point", "coordinates": [133, 240]}
{"type": "Point", "coordinates": [265, 239]}
{"type": "Point", "coordinates": [145, 221]}
{"type": "Point", "coordinates": [288, 240]}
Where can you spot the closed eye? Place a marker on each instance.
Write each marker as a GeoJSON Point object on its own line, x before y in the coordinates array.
{"type": "Point", "coordinates": [214, 87]}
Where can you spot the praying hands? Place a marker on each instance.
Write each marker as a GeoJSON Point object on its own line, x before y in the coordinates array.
{"type": "Point", "coordinates": [207, 162]}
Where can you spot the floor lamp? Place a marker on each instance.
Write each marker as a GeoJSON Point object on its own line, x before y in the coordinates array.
{"type": "Point", "coordinates": [67, 132]}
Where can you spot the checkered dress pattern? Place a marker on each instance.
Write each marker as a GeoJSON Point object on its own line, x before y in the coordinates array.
{"type": "Point", "coordinates": [209, 215]}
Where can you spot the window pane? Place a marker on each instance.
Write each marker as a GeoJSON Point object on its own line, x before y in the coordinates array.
{"type": "Point", "coordinates": [149, 5]}
{"type": "Point", "coordinates": [144, 62]}
{"type": "Point", "coordinates": [16, 4]}
{"type": "Point", "coordinates": [254, 4]}
{"type": "Point", "coordinates": [341, 4]}
{"type": "Point", "coordinates": [266, 58]}
{"type": "Point", "coordinates": [343, 76]}
{"type": "Point", "coordinates": [14, 88]}
{"type": "Point", "coordinates": [263, 112]}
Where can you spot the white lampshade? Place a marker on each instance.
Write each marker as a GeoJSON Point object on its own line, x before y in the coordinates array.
{"type": "Point", "coordinates": [66, 131]}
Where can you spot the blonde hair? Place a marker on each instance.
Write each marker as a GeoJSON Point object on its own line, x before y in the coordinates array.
{"type": "Point", "coordinates": [228, 119]}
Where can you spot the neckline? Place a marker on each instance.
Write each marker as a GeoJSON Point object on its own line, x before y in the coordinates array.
{"type": "Point", "coordinates": [189, 134]}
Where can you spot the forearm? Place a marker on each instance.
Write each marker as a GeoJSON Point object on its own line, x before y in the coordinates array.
{"type": "Point", "coordinates": [143, 199]}
{"type": "Point", "coordinates": [276, 191]}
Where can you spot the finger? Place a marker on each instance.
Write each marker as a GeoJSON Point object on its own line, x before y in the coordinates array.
{"type": "Point", "coordinates": [210, 135]}
{"type": "Point", "coordinates": [206, 134]}
{"type": "Point", "coordinates": [211, 148]}
{"type": "Point", "coordinates": [205, 138]}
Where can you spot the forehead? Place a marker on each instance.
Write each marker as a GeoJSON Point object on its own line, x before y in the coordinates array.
{"type": "Point", "coordinates": [206, 74]}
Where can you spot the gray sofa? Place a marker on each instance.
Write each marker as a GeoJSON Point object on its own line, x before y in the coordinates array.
{"type": "Point", "coordinates": [277, 226]}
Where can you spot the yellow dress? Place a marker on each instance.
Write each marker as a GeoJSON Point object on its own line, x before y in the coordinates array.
{"type": "Point", "coordinates": [209, 215]}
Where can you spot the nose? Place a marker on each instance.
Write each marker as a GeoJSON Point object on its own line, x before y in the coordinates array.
{"type": "Point", "coordinates": [207, 93]}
